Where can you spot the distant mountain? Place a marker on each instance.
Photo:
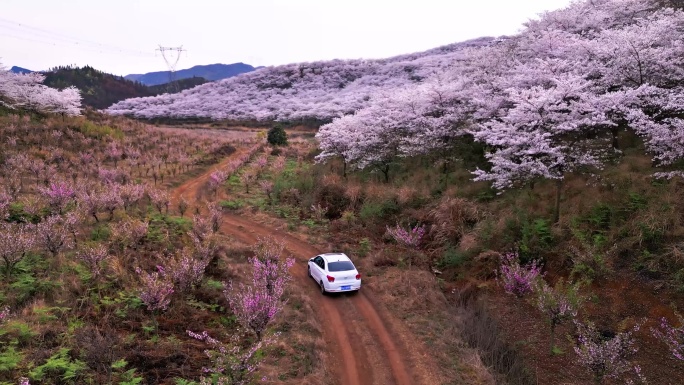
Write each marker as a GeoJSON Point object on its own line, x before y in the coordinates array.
{"type": "Point", "coordinates": [210, 72]}
{"type": "Point", "coordinates": [19, 70]}
{"type": "Point", "coordinates": [100, 89]}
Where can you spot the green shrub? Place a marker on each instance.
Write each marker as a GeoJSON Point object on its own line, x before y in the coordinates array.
{"type": "Point", "coordinates": [365, 247]}
{"type": "Point", "coordinates": [377, 210]}
{"type": "Point", "coordinates": [536, 237]}
{"type": "Point", "coordinates": [101, 232]}
{"type": "Point", "coordinates": [58, 365]}
{"type": "Point", "coordinates": [232, 204]}
{"type": "Point", "coordinates": [277, 136]}
{"type": "Point", "coordinates": [636, 202]}
{"type": "Point", "coordinates": [600, 216]}
{"type": "Point", "coordinates": [18, 331]}
{"type": "Point", "coordinates": [94, 131]}
{"type": "Point", "coordinates": [452, 258]}
{"type": "Point", "coordinates": [10, 358]}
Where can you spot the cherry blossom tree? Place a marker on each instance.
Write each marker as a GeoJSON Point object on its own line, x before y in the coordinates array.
{"type": "Point", "coordinates": [27, 91]}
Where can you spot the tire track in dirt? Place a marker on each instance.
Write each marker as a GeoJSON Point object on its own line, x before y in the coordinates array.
{"type": "Point", "coordinates": [364, 349]}
{"type": "Point", "coordinates": [369, 317]}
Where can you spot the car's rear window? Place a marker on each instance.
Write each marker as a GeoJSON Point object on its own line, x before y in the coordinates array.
{"type": "Point", "coordinates": [340, 266]}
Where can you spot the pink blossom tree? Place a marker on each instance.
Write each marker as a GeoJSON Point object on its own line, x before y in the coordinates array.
{"type": "Point", "coordinates": [672, 336]}
{"type": "Point", "coordinates": [5, 201]}
{"type": "Point", "coordinates": [201, 227]}
{"type": "Point", "coordinates": [216, 179]}
{"type": "Point", "coordinates": [129, 233]}
{"type": "Point", "coordinates": [131, 194]}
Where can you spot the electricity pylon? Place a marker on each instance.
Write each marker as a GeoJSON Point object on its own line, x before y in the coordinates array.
{"type": "Point", "coordinates": [171, 62]}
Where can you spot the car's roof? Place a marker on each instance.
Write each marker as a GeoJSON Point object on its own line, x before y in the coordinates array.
{"type": "Point", "coordinates": [335, 257]}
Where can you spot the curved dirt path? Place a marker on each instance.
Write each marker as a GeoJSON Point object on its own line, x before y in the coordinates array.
{"type": "Point", "coordinates": [367, 346]}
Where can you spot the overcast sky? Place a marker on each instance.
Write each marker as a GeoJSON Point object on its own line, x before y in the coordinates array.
{"type": "Point", "coordinates": [121, 36]}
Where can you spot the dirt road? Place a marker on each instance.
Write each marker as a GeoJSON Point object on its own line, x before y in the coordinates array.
{"type": "Point", "coordinates": [367, 345]}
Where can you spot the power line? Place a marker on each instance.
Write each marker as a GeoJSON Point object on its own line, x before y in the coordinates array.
{"type": "Point", "coordinates": [40, 33]}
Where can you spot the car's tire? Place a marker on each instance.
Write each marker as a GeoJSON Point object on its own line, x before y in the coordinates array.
{"type": "Point", "coordinates": [323, 289]}
{"type": "Point", "coordinates": [308, 271]}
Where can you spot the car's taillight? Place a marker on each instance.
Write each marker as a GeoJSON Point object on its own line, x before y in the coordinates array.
{"type": "Point", "coordinates": [358, 276]}
{"type": "Point", "coordinates": [330, 278]}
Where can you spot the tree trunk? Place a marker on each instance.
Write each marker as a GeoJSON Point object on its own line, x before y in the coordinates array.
{"type": "Point", "coordinates": [553, 335]}
{"type": "Point", "coordinates": [385, 172]}
{"type": "Point", "coordinates": [556, 210]}
{"type": "Point", "coordinates": [614, 133]}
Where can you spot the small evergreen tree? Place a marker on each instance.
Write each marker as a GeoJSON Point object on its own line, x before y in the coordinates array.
{"type": "Point", "coordinates": [277, 136]}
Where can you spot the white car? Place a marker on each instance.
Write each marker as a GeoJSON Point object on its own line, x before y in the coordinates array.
{"type": "Point", "coordinates": [334, 273]}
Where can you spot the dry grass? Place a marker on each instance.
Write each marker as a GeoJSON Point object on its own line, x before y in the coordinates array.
{"type": "Point", "coordinates": [415, 296]}
{"type": "Point", "coordinates": [452, 218]}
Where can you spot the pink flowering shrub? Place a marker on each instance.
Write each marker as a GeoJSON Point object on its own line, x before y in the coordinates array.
{"type": "Point", "coordinates": [558, 304]}
{"type": "Point", "coordinates": [5, 201]}
{"type": "Point", "coordinates": [215, 216]}
{"type": "Point", "coordinates": [672, 337]}
{"type": "Point", "coordinates": [517, 279]}
{"type": "Point", "coordinates": [131, 194]}
{"type": "Point", "coordinates": [160, 199]}
{"type": "Point", "coordinates": [15, 241]}
{"type": "Point", "coordinates": [58, 195]}
{"type": "Point", "coordinates": [216, 179]}
{"type": "Point", "coordinates": [186, 270]}
{"type": "Point", "coordinates": [4, 314]}
{"type": "Point", "coordinates": [201, 227]}
{"type": "Point", "coordinates": [267, 188]}
{"type": "Point", "coordinates": [156, 290]}
{"type": "Point", "coordinates": [247, 178]}
{"type": "Point", "coordinates": [410, 237]}
{"type": "Point", "coordinates": [231, 365]}
{"type": "Point", "coordinates": [52, 234]}
{"type": "Point", "coordinates": [93, 256]}
{"type": "Point", "coordinates": [258, 302]}
{"type": "Point", "coordinates": [605, 358]}
{"type": "Point", "coordinates": [129, 233]}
